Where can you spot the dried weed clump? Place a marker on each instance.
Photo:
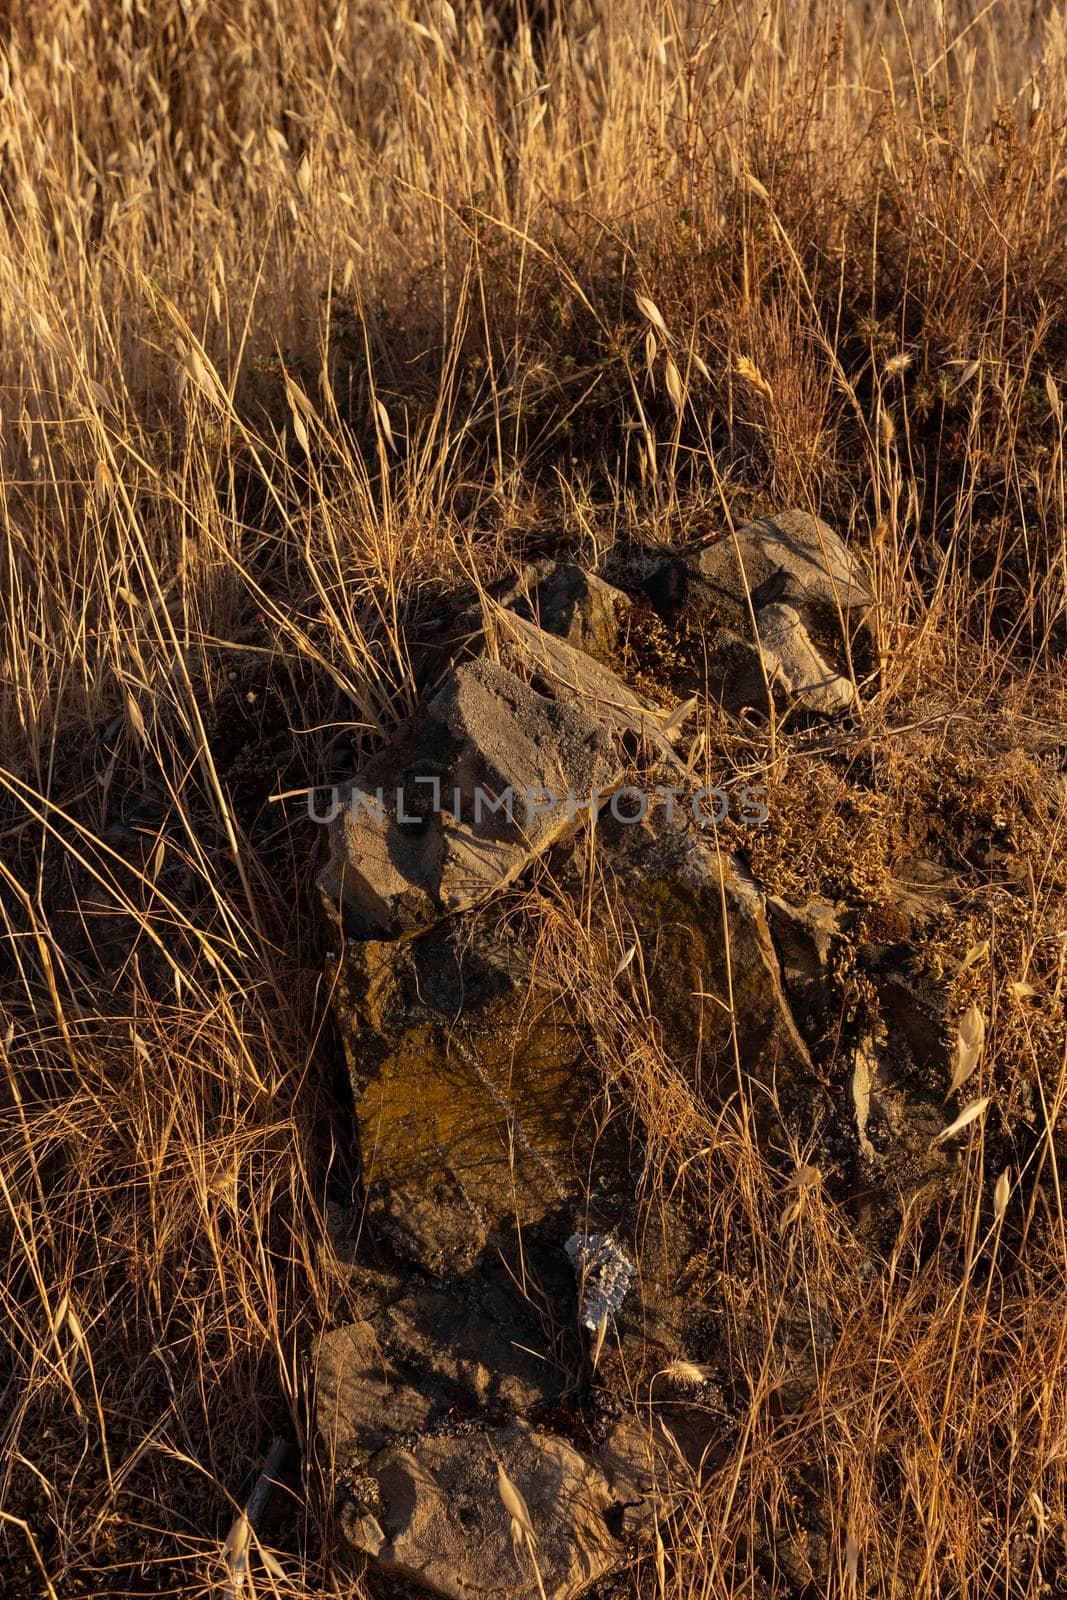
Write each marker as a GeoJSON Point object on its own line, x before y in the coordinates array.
{"type": "Point", "coordinates": [312, 315]}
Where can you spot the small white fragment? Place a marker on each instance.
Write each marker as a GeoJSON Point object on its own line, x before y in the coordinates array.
{"type": "Point", "coordinates": [604, 1273]}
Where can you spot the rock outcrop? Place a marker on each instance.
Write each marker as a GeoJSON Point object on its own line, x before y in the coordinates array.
{"type": "Point", "coordinates": [488, 1128]}
{"type": "Point", "coordinates": [537, 798]}
{"type": "Point", "coordinates": [572, 1006]}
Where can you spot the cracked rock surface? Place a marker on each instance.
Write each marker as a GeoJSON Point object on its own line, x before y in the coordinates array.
{"type": "Point", "coordinates": [439, 1521]}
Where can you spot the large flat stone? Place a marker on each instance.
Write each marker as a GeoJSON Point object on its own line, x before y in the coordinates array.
{"type": "Point", "coordinates": [438, 1519]}
{"type": "Point", "coordinates": [417, 836]}
{"type": "Point", "coordinates": [570, 676]}
{"type": "Point", "coordinates": [478, 1108]}
{"type": "Point", "coordinates": [489, 772]}
{"type": "Point", "coordinates": [479, 1103]}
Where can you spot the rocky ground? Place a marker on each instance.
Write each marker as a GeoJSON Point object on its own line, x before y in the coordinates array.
{"type": "Point", "coordinates": [548, 1010]}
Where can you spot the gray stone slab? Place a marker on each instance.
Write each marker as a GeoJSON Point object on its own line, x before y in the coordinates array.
{"type": "Point", "coordinates": [439, 1521]}
{"type": "Point", "coordinates": [459, 803]}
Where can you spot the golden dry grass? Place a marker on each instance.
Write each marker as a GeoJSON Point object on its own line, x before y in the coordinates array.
{"type": "Point", "coordinates": [309, 313]}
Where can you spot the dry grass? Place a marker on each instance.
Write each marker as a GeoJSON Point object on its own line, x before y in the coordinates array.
{"type": "Point", "coordinates": [307, 314]}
